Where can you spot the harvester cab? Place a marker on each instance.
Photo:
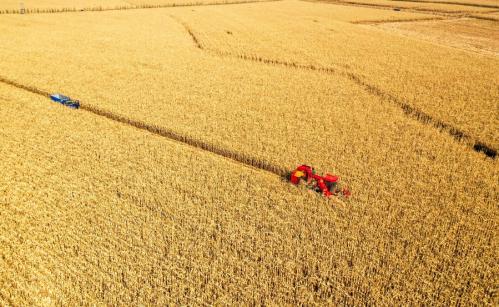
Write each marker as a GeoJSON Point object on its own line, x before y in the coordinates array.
{"type": "Point", "coordinates": [328, 185]}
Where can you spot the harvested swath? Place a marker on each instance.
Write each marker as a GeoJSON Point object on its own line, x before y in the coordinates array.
{"type": "Point", "coordinates": [168, 133]}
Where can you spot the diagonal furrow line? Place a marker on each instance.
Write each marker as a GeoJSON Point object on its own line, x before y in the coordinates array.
{"type": "Point", "coordinates": [194, 38]}
{"type": "Point", "coordinates": [167, 133]}
{"type": "Point", "coordinates": [133, 7]}
{"type": "Point", "coordinates": [408, 109]}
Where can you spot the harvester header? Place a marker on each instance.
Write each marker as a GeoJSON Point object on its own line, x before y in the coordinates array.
{"type": "Point", "coordinates": [328, 184]}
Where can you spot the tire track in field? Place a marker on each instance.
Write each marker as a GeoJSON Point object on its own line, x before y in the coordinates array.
{"type": "Point", "coordinates": [409, 110]}
{"type": "Point", "coordinates": [119, 8]}
{"type": "Point", "coordinates": [167, 133]}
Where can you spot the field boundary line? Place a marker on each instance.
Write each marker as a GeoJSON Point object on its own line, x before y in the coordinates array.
{"type": "Point", "coordinates": [124, 7]}
{"type": "Point", "coordinates": [407, 109]}
{"type": "Point", "coordinates": [166, 133]}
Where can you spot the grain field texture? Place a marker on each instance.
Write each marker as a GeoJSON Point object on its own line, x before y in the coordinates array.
{"type": "Point", "coordinates": [97, 207]}
{"type": "Point", "coordinates": [482, 3]}
{"type": "Point", "coordinates": [433, 7]}
{"type": "Point", "coordinates": [453, 86]}
{"type": "Point", "coordinates": [86, 219]}
{"type": "Point", "coordinates": [475, 35]}
{"type": "Point", "coordinates": [487, 16]}
{"type": "Point", "coordinates": [64, 6]}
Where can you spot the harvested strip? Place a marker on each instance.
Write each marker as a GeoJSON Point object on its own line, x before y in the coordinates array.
{"type": "Point", "coordinates": [239, 157]}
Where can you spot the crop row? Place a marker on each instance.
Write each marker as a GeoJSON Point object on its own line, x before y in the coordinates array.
{"type": "Point", "coordinates": [164, 132]}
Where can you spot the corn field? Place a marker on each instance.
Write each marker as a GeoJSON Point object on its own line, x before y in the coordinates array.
{"type": "Point", "coordinates": [168, 186]}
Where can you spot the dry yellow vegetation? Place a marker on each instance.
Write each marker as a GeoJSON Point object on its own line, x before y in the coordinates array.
{"type": "Point", "coordinates": [487, 16]}
{"type": "Point", "coordinates": [453, 86]}
{"type": "Point", "coordinates": [422, 6]}
{"type": "Point", "coordinates": [57, 6]}
{"type": "Point", "coordinates": [480, 36]}
{"type": "Point", "coordinates": [484, 3]}
{"type": "Point", "coordinates": [97, 211]}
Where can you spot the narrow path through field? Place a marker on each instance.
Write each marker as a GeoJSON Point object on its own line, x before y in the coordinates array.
{"type": "Point", "coordinates": [409, 110]}
{"type": "Point", "coordinates": [167, 133]}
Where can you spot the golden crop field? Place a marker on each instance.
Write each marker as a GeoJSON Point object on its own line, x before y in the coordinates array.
{"type": "Point", "coordinates": [423, 6]}
{"type": "Point", "coordinates": [488, 16]}
{"type": "Point", "coordinates": [468, 81]}
{"type": "Point", "coordinates": [485, 3]}
{"type": "Point", "coordinates": [475, 35]}
{"type": "Point", "coordinates": [57, 6]}
{"type": "Point", "coordinates": [168, 187]}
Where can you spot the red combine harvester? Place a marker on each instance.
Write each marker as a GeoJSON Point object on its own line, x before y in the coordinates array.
{"type": "Point", "coordinates": [328, 185]}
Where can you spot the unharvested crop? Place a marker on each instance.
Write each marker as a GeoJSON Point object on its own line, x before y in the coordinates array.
{"type": "Point", "coordinates": [65, 6]}
{"type": "Point", "coordinates": [109, 214]}
{"type": "Point", "coordinates": [396, 65]}
{"type": "Point", "coordinates": [482, 3]}
{"type": "Point", "coordinates": [134, 199]}
{"type": "Point", "coordinates": [481, 36]}
{"type": "Point", "coordinates": [434, 7]}
{"type": "Point", "coordinates": [487, 16]}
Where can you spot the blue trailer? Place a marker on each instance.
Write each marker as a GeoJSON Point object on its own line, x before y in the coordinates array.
{"type": "Point", "coordinates": [65, 101]}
